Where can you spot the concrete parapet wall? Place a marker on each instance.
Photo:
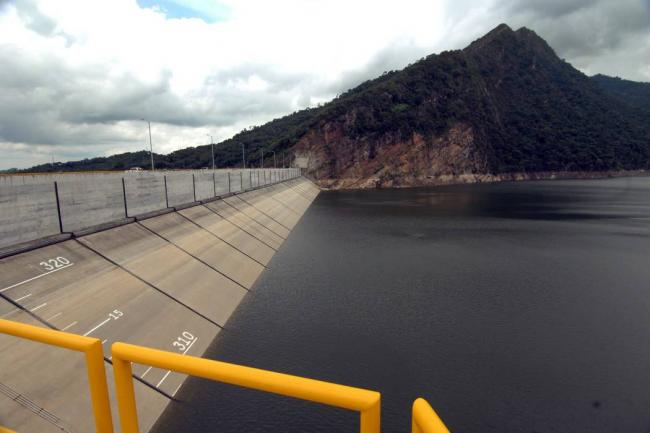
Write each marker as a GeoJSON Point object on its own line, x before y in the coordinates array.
{"type": "Point", "coordinates": [33, 207]}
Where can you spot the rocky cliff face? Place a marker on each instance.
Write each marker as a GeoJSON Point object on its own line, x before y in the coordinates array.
{"type": "Point", "coordinates": [337, 161]}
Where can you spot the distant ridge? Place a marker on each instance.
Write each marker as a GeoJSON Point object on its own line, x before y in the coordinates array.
{"type": "Point", "coordinates": [505, 104]}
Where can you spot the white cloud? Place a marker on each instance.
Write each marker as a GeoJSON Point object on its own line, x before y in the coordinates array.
{"type": "Point", "coordinates": [76, 77]}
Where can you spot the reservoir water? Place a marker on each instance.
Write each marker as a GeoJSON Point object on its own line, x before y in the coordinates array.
{"type": "Point", "coordinates": [511, 307]}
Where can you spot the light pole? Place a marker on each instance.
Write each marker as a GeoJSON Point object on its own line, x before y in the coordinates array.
{"type": "Point", "coordinates": [150, 145]}
{"type": "Point", "coordinates": [212, 145]}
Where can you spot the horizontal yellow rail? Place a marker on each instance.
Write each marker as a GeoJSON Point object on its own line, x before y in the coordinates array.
{"type": "Point", "coordinates": [361, 400]}
{"type": "Point", "coordinates": [91, 347]}
{"type": "Point", "coordinates": [6, 430]}
{"type": "Point", "coordinates": [425, 419]}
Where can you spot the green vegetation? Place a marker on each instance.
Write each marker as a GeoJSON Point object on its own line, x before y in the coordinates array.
{"type": "Point", "coordinates": [631, 93]}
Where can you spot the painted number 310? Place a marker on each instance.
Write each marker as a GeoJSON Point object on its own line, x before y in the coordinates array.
{"type": "Point", "coordinates": [183, 342]}
{"type": "Point", "coordinates": [55, 263]}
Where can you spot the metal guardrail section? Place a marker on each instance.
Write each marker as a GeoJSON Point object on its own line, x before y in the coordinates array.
{"type": "Point", "coordinates": [364, 401]}
{"type": "Point", "coordinates": [361, 400]}
{"type": "Point", "coordinates": [91, 347]}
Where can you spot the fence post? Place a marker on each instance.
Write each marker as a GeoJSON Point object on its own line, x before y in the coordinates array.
{"type": "Point", "coordinates": [58, 206]}
{"type": "Point", "coordinates": [250, 179]}
{"type": "Point", "coordinates": [193, 186]}
{"type": "Point", "coordinates": [126, 210]}
{"type": "Point", "coordinates": [241, 181]}
{"type": "Point", "coordinates": [228, 182]}
{"type": "Point", "coordinates": [214, 184]}
{"type": "Point", "coordinates": [166, 195]}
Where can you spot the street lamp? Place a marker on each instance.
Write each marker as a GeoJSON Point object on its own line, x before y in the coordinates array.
{"type": "Point", "coordinates": [150, 145]}
{"type": "Point", "coordinates": [212, 144]}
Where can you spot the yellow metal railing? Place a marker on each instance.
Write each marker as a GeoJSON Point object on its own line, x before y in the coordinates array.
{"type": "Point", "coordinates": [361, 400]}
{"type": "Point", "coordinates": [425, 419]}
{"type": "Point", "coordinates": [366, 402]}
{"type": "Point", "coordinates": [91, 347]}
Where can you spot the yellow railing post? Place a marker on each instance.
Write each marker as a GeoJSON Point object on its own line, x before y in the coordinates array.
{"type": "Point", "coordinates": [425, 419]}
{"type": "Point", "coordinates": [91, 347]}
{"type": "Point", "coordinates": [371, 419]}
{"type": "Point", "coordinates": [361, 400]}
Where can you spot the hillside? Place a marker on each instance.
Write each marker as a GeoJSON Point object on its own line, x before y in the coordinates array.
{"type": "Point", "coordinates": [505, 104]}
{"type": "Point", "coordinates": [636, 95]}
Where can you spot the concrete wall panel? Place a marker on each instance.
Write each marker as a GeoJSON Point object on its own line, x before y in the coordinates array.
{"type": "Point", "coordinates": [27, 212]}
{"type": "Point", "coordinates": [235, 181]}
{"type": "Point", "coordinates": [144, 193]}
{"type": "Point", "coordinates": [205, 185]}
{"type": "Point", "coordinates": [180, 189]}
{"type": "Point", "coordinates": [91, 202]}
{"type": "Point", "coordinates": [222, 183]}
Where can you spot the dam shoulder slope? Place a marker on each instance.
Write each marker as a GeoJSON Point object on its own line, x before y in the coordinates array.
{"type": "Point", "coordinates": [169, 282]}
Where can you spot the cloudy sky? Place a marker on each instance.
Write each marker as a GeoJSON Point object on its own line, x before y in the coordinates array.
{"type": "Point", "coordinates": [78, 77]}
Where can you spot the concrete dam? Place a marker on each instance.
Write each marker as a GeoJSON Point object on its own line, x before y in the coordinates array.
{"type": "Point", "coordinates": [155, 259]}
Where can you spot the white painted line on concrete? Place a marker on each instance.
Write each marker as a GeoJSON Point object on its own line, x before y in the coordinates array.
{"type": "Point", "coordinates": [39, 307]}
{"type": "Point", "coordinates": [70, 325]}
{"type": "Point", "coordinates": [177, 388]}
{"type": "Point", "coordinates": [54, 317]}
{"type": "Point", "coordinates": [104, 341]}
{"type": "Point", "coordinates": [145, 373]}
{"type": "Point", "coordinates": [23, 297]}
{"type": "Point", "coordinates": [191, 344]}
{"type": "Point", "coordinates": [163, 379]}
{"type": "Point", "coordinates": [36, 277]}
{"type": "Point", "coordinates": [98, 326]}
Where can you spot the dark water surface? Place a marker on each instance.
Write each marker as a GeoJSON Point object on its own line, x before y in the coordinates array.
{"type": "Point", "coordinates": [513, 307]}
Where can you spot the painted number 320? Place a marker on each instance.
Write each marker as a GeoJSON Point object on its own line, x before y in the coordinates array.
{"type": "Point", "coordinates": [55, 263]}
